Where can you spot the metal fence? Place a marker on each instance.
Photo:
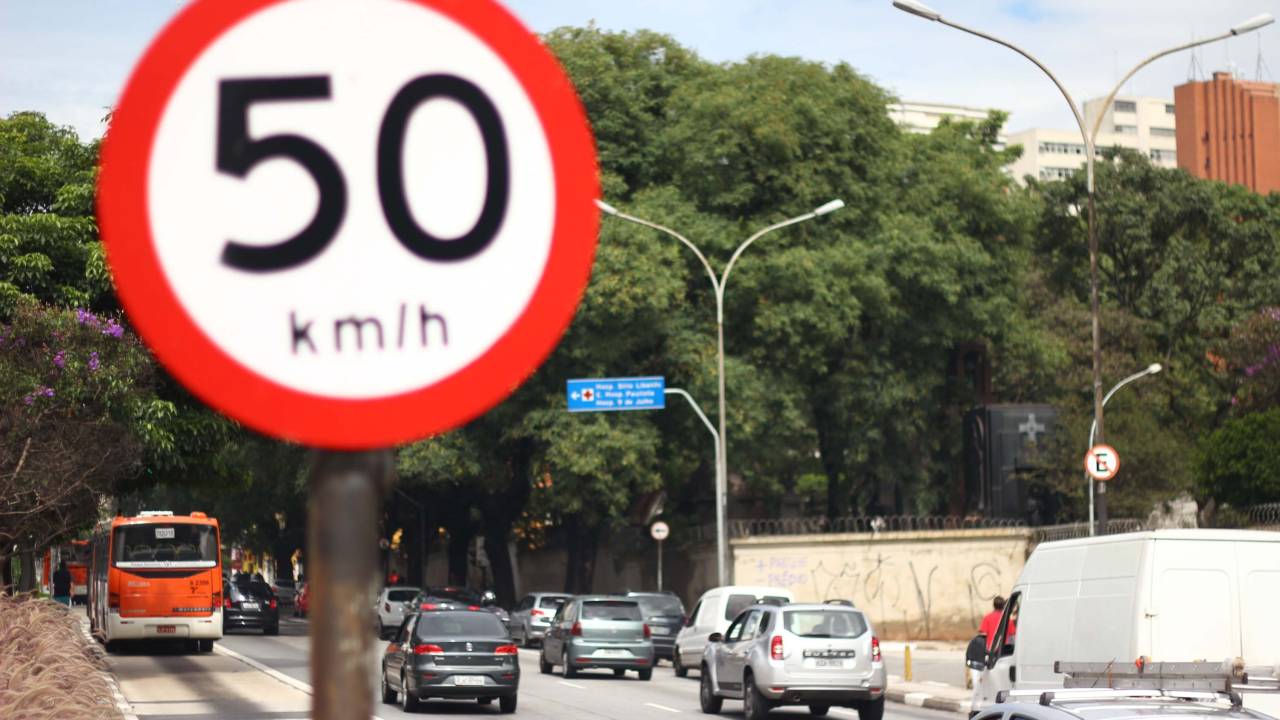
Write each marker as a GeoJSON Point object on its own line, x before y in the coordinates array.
{"type": "Point", "coordinates": [1070, 531]}
{"type": "Point", "coordinates": [1265, 517]}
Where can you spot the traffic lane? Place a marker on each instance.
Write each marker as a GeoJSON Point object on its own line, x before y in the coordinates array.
{"type": "Point", "coordinates": [163, 681]}
{"type": "Point", "coordinates": [288, 652]}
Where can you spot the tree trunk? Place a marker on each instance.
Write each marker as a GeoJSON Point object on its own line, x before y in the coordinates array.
{"type": "Point", "coordinates": [27, 567]}
{"type": "Point", "coordinates": [583, 544]}
{"type": "Point", "coordinates": [282, 555]}
{"type": "Point", "coordinates": [495, 547]}
{"type": "Point", "coordinates": [459, 549]}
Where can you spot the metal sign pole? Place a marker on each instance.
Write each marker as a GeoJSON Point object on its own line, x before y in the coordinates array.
{"type": "Point", "coordinates": [345, 491]}
{"type": "Point", "coordinates": [659, 566]}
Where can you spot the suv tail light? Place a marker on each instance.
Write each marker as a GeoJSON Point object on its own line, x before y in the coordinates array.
{"type": "Point", "coordinates": [875, 649]}
{"type": "Point", "coordinates": [775, 647]}
{"type": "Point", "coordinates": [576, 630]}
{"type": "Point", "coordinates": [536, 613]}
{"type": "Point", "coordinates": [647, 632]}
{"type": "Point", "coordinates": [473, 608]}
{"type": "Point", "coordinates": [429, 606]}
{"type": "Point", "coordinates": [226, 603]}
{"type": "Point", "coordinates": [506, 650]}
{"type": "Point", "coordinates": [271, 603]}
{"type": "Point", "coordinates": [427, 649]}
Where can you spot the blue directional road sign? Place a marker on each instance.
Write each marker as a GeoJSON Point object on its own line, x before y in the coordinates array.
{"type": "Point", "coordinates": [613, 394]}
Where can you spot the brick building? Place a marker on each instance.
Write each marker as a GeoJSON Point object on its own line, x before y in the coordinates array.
{"type": "Point", "coordinates": [1229, 130]}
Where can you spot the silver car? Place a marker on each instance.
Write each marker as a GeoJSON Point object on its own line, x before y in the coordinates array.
{"type": "Point", "coordinates": [815, 655]}
{"type": "Point", "coordinates": [532, 616]}
{"type": "Point", "coordinates": [393, 605]}
{"type": "Point", "coordinates": [598, 632]}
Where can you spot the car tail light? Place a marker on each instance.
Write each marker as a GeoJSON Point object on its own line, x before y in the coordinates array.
{"type": "Point", "coordinates": [506, 650]}
{"type": "Point", "coordinates": [536, 613]}
{"type": "Point", "coordinates": [576, 630]}
{"type": "Point", "coordinates": [226, 603]}
{"type": "Point", "coordinates": [775, 647]}
{"type": "Point", "coordinates": [875, 649]}
{"type": "Point", "coordinates": [647, 632]}
{"type": "Point", "coordinates": [473, 607]}
{"type": "Point", "coordinates": [427, 649]}
{"type": "Point", "coordinates": [386, 607]}
{"type": "Point", "coordinates": [429, 606]}
{"type": "Point", "coordinates": [271, 603]}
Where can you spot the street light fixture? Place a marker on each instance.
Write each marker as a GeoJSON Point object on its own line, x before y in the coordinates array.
{"type": "Point", "coordinates": [1151, 369]}
{"type": "Point", "coordinates": [717, 285]}
{"type": "Point", "coordinates": [1090, 136]}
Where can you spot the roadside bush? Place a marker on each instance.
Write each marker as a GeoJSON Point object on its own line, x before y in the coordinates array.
{"type": "Point", "coordinates": [48, 669]}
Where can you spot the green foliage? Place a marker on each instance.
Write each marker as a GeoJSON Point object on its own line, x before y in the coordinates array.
{"type": "Point", "coordinates": [1253, 353]}
{"type": "Point", "coordinates": [1239, 464]}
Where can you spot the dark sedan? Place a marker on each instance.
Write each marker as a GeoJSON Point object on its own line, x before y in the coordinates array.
{"type": "Point", "coordinates": [664, 613]}
{"type": "Point", "coordinates": [250, 605]}
{"type": "Point", "coordinates": [451, 654]}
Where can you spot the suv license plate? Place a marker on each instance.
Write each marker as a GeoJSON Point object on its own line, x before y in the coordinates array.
{"type": "Point", "coordinates": [167, 629]}
{"type": "Point", "coordinates": [828, 663]}
{"type": "Point", "coordinates": [468, 679]}
{"type": "Point", "coordinates": [249, 606]}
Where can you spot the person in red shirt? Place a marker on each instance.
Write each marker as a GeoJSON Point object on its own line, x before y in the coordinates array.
{"type": "Point", "coordinates": [991, 622]}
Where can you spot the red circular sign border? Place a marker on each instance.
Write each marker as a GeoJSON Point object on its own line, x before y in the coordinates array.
{"type": "Point", "coordinates": [1114, 472]}
{"type": "Point", "coordinates": [343, 423]}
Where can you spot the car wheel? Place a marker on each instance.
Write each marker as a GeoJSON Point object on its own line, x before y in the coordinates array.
{"type": "Point", "coordinates": [754, 705]}
{"type": "Point", "coordinates": [871, 709]}
{"type": "Point", "coordinates": [818, 710]}
{"type": "Point", "coordinates": [646, 674]}
{"type": "Point", "coordinates": [681, 670]}
{"type": "Point", "coordinates": [543, 666]}
{"type": "Point", "coordinates": [408, 701]}
{"type": "Point", "coordinates": [568, 670]}
{"type": "Point", "coordinates": [711, 703]}
{"type": "Point", "coordinates": [507, 704]}
{"type": "Point", "coordinates": [388, 695]}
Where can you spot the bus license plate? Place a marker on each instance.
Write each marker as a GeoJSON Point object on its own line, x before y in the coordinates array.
{"type": "Point", "coordinates": [167, 629]}
{"type": "Point", "coordinates": [468, 679]}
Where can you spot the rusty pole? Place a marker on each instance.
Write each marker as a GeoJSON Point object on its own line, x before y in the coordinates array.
{"type": "Point", "coordinates": [346, 489]}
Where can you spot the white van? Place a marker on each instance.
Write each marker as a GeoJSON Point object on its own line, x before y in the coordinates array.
{"type": "Point", "coordinates": [715, 610]}
{"type": "Point", "coordinates": [1171, 595]}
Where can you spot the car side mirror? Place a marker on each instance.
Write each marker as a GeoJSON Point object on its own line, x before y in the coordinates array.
{"type": "Point", "coordinates": [715, 637]}
{"type": "Point", "coordinates": [975, 655]}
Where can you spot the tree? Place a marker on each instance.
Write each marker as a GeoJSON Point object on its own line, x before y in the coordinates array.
{"type": "Point", "coordinates": [1239, 463]}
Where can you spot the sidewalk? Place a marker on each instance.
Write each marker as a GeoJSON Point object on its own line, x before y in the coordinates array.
{"type": "Point", "coordinates": [937, 673]}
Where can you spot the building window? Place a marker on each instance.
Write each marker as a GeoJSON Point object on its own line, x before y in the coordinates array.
{"type": "Point", "coordinates": [1168, 108]}
{"type": "Point", "coordinates": [1056, 173]}
{"type": "Point", "coordinates": [1126, 106]}
{"type": "Point", "coordinates": [1163, 132]}
{"type": "Point", "coordinates": [1164, 156]}
{"type": "Point", "coordinates": [1056, 148]}
{"type": "Point", "coordinates": [1126, 129]}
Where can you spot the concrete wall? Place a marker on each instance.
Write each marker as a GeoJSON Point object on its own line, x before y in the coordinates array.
{"type": "Point", "coordinates": [934, 585]}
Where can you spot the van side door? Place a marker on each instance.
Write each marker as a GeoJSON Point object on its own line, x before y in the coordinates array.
{"type": "Point", "coordinates": [1001, 672]}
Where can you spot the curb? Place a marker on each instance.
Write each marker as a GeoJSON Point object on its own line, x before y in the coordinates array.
{"type": "Point", "coordinates": [122, 704]}
{"type": "Point", "coordinates": [925, 700]}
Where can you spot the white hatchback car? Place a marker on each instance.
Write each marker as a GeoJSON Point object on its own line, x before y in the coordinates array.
{"type": "Point", "coordinates": [393, 605]}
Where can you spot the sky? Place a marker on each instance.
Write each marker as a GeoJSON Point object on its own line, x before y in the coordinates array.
{"type": "Point", "coordinates": [70, 58]}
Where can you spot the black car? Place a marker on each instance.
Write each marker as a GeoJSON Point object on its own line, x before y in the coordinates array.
{"type": "Point", "coordinates": [460, 598]}
{"type": "Point", "coordinates": [664, 614]}
{"type": "Point", "coordinates": [451, 654]}
{"type": "Point", "coordinates": [249, 604]}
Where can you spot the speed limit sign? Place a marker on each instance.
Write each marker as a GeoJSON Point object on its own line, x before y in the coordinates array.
{"type": "Point", "coordinates": [349, 224]}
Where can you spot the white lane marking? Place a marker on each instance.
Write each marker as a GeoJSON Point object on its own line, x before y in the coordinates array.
{"type": "Point", "coordinates": [272, 672]}
{"type": "Point", "coordinates": [662, 707]}
{"type": "Point", "coordinates": [573, 685]}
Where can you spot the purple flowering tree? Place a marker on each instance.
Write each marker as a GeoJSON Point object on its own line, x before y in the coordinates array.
{"type": "Point", "coordinates": [1253, 353]}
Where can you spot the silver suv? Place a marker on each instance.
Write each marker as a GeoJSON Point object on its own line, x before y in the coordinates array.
{"type": "Point", "coordinates": [815, 655]}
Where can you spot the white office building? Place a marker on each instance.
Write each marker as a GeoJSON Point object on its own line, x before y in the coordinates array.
{"type": "Point", "coordinates": [1139, 123]}
{"type": "Point", "coordinates": [922, 118]}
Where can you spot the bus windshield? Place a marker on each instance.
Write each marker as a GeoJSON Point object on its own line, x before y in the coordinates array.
{"type": "Point", "coordinates": [165, 545]}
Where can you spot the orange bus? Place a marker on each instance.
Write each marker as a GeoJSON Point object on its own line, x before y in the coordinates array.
{"type": "Point", "coordinates": [157, 576]}
{"type": "Point", "coordinates": [76, 555]}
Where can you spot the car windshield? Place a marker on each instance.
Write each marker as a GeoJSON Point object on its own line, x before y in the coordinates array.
{"type": "Point", "coordinates": [552, 601]}
{"type": "Point", "coordinates": [250, 589]}
{"type": "Point", "coordinates": [401, 595]}
{"type": "Point", "coordinates": [661, 605]}
{"type": "Point", "coordinates": [834, 623]}
{"type": "Point", "coordinates": [460, 624]}
{"type": "Point", "coordinates": [611, 610]}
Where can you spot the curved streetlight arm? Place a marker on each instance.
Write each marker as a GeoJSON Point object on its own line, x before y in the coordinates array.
{"type": "Point", "coordinates": [1151, 370]}
{"type": "Point", "coordinates": [722, 540]}
{"type": "Point", "coordinates": [825, 209]}
{"type": "Point", "coordinates": [610, 210]}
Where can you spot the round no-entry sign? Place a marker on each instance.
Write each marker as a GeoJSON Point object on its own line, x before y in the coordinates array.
{"type": "Point", "coordinates": [659, 531]}
{"type": "Point", "coordinates": [349, 224]}
{"type": "Point", "coordinates": [1102, 462]}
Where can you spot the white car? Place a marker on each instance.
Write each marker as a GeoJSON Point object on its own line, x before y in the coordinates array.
{"type": "Point", "coordinates": [715, 610]}
{"type": "Point", "coordinates": [393, 605]}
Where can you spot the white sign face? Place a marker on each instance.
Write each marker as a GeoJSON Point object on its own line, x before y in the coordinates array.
{"type": "Point", "coordinates": [361, 315]}
{"type": "Point", "coordinates": [349, 224]}
{"type": "Point", "coordinates": [659, 530]}
{"type": "Point", "coordinates": [1102, 462]}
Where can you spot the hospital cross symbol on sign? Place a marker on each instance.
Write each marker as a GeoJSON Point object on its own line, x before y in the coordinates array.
{"type": "Point", "coordinates": [1102, 462]}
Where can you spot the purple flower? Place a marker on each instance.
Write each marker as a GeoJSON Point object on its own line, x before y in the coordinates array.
{"type": "Point", "coordinates": [1235, 401]}
{"type": "Point", "coordinates": [47, 392]}
{"type": "Point", "coordinates": [60, 359]}
{"type": "Point", "coordinates": [113, 329]}
{"type": "Point", "coordinates": [84, 317]}
{"type": "Point", "coordinates": [28, 399]}
{"type": "Point", "coordinates": [93, 361]}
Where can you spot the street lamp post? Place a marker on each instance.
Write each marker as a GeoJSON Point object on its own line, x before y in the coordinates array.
{"type": "Point", "coordinates": [718, 284]}
{"type": "Point", "coordinates": [721, 573]}
{"type": "Point", "coordinates": [1090, 136]}
{"type": "Point", "coordinates": [1151, 369]}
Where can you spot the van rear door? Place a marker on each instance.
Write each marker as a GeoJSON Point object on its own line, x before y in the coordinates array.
{"type": "Point", "coordinates": [1194, 601]}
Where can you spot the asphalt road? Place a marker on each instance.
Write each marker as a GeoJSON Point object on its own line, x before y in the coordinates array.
{"type": "Point", "coordinates": [163, 683]}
